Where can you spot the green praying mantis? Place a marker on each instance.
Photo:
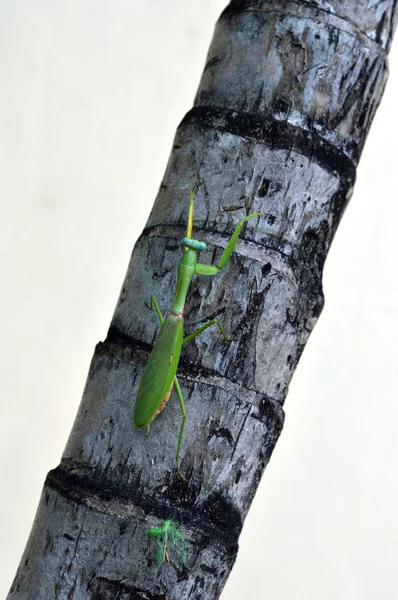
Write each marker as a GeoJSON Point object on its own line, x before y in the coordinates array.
{"type": "Point", "coordinates": [159, 376]}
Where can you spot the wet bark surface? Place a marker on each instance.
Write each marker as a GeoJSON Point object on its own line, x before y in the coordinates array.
{"type": "Point", "coordinates": [281, 115]}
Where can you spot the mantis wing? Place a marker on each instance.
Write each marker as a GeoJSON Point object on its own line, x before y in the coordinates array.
{"type": "Point", "coordinates": [159, 372]}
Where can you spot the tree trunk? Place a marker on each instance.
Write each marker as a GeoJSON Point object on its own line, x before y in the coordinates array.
{"type": "Point", "coordinates": [280, 118]}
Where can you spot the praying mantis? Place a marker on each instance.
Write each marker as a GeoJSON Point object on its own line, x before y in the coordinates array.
{"type": "Point", "coordinates": [159, 376]}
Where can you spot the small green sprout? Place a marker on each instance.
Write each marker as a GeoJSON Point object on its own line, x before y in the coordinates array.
{"type": "Point", "coordinates": [168, 538]}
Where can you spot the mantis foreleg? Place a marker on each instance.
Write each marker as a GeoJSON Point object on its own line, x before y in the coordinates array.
{"type": "Point", "coordinates": [226, 255]}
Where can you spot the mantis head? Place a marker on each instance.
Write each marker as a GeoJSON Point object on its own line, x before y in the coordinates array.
{"type": "Point", "coordinates": [193, 244]}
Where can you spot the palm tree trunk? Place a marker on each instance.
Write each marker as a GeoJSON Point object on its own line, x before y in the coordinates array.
{"type": "Point", "coordinates": [282, 112]}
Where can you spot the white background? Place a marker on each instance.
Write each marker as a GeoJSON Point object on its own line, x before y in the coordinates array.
{"type": "Point", "coordinates": [91, 94]}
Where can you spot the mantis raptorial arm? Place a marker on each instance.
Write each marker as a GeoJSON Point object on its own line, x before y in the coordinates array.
{"type": "Point", "coordinates": [226, 255]}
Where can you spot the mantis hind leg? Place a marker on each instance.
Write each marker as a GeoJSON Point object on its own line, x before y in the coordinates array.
{"type": "Point", "coordinates": [194, 334]}
{"type": "Point", "coordinates": [184, 416]}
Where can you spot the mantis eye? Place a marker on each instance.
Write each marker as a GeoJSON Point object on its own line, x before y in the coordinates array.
{"type": "Point", "coordinates": [194, 244]}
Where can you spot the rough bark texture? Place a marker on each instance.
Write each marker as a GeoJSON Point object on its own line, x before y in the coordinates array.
{"type": "Point", "coordinates": [287, 96]}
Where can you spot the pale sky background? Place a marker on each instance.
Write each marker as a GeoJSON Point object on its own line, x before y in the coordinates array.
{"type": "Point", "coordinates": [92, 92]}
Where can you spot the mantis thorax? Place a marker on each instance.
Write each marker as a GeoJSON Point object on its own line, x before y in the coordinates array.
{"type": "Point", "coordinates": [186, 270]}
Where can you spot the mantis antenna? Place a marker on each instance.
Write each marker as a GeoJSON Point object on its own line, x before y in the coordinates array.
{"type": "Point", "coordinates": [190, 213]}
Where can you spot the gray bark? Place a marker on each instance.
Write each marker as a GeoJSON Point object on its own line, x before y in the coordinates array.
{"type": "Point", "coordinates": [282, 112]}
